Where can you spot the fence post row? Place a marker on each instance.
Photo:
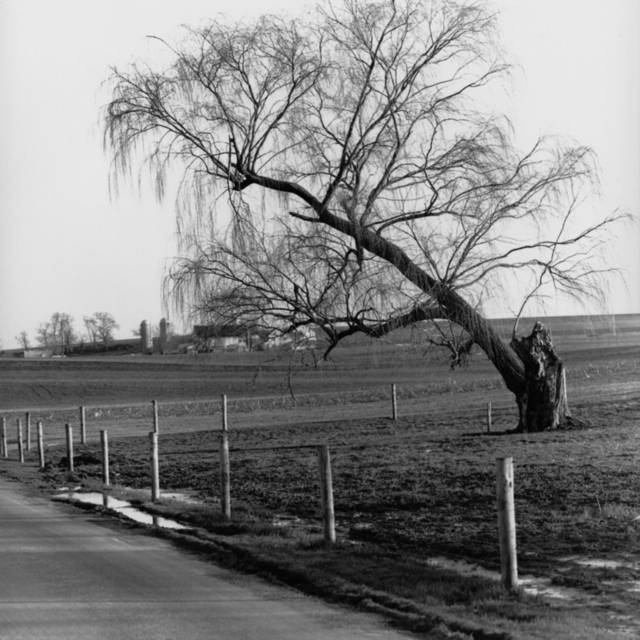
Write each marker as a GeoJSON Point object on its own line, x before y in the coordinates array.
{"type": "Point", "coordinates": [326, 494]}
{"type": "Point", "coordinates": [155, 467]}
{"type": "Point", "coordinates": [20, 440]}
{"type": "Point", "coordinates": [507, 524]}
{"type": "Point", "coordinates": [3, 440]}
{"type": "Point", "coordinates": [69, 434]}
{"type": "Point", "coordinates": [40, 444]}
{"type": "Point", "coordinates": [504, 484]}
{"type": "Point", "coordinates": [225, 465]}
{"type": "Point", "coordinates": [104, 442]}
{"type": "Point", "coordinates": [83, 426]}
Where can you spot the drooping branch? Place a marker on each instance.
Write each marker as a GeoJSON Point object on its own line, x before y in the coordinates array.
{"type": "Point", "coordinates": [336, 171]}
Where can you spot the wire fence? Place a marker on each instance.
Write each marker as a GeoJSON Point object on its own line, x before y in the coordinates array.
{"type": "Point", "coordinates": [284, 456]}
{"type": "Point", "coordinates": [425, 482]}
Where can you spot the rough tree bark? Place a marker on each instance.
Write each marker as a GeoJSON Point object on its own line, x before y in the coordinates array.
{"type": "Point", "coordinates": [529, 366]}
{"type": "Point", "coordinates": [542, 404]}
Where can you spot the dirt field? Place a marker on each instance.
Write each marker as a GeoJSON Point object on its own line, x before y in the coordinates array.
{"type": "Point", "coordinates": [361, 366]}
{"type": "Point", "coordinates": [422, 486]}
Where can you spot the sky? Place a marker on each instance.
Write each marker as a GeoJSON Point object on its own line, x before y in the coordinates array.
{"type": "Point", "coordinates": [66, 245]}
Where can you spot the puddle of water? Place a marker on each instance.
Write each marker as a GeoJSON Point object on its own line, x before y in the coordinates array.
{"type": "Point", "coordinates": [121, 507]}
{"type": "Point", "coordinates": [180, 497]}
{"type": "Point", "coordinates": [280, 520]}
{"type": "Point", "coordinates": [542, 586]}
{"type": "Point", "coordinates": [465, 568]}
{"type": "Point", "coordinates": [601, 563]}
{"type": "Point", "coordinates": [530, 584]}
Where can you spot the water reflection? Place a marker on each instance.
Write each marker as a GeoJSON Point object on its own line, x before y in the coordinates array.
{"type": "Point", "coordinates": [121, 507]}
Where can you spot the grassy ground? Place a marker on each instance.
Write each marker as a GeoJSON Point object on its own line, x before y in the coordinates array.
{"type": "Point", "coordinates": [407, 492]}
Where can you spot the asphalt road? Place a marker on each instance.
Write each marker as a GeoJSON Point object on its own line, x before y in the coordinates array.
{"type": "Point", "coordinates": [66, 574]}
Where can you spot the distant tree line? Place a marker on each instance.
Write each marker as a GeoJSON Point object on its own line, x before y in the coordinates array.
{"type": "Point", "coordinates": [59, 334]}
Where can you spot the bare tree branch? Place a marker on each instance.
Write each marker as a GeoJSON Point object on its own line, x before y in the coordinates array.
{"type": "Point", "coordinates": [336, 172]}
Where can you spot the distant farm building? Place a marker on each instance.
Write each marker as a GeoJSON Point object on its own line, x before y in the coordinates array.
{"type": "Point", "coordinates": [31, 354]}
{"type": "Point", "coordinates": [212, 337]}
{"type": "Point", "coordinates": [306, 337]}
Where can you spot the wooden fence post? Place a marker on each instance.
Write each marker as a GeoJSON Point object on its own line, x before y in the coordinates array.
{"type": "Point", "coordinates": [224, 412]}
{"type": "Point", "coordinates": [83, 426]}
{"type": "Point", "coordinates": [3, 441]}
{"type": "Point", "coordinates": [326, 494]}
{"type": "Point", "coordinates": [40, 444]}
{"type": "Point", "coordinates": [69, 434]}
{"type": "Point", "coordinates": [489, 416]}
{"type": "Point", "coordinates": [394, 402]}
{"type": "Point", "coordinates": [27, 427]}
{"type": "Point", "coordinates": [225, 466]}
{"type": "Point", "coordinates": [155, 467]}
{"type": "Point", "coordinates": [507, 524]}
{"type": "Point", "coordinates": [20, 441]}
{"type": "Point", "coordinates": [104, 442]}
{"type": "Point", "coordinates": [154, 404]}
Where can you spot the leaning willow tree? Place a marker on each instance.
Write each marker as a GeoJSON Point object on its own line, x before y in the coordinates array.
{"type": "Point", "coordinates": [338, 170]}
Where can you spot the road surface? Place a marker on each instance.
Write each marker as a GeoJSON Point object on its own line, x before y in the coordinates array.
{"type": "Point", "coordinates": [66, 574]}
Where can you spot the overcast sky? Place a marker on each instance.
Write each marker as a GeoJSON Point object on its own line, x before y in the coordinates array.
{"type": "Point", "coordinates": [66, 246]}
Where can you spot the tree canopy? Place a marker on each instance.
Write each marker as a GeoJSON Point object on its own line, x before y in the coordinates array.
{"type": "Point", "coordinates": [339, 170]}
{"type": "Point", "coordinates": [100, 327]}
{"type": "Point", "coordinates": [57, 333]}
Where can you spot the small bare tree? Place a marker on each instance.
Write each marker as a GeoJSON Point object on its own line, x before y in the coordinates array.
{"type": "Point", "coordinates": [337, 171]}
{"type": "Point", "coordinates": [90, 324]}
{"type": "Point", "coordinates": [105, 326]}
{"type": "Point", "coordinates": [23, 340]}
{"type": "Point", "coordinates": [100, 327]}
{"type": "Point", "coordinates": [57, 333]}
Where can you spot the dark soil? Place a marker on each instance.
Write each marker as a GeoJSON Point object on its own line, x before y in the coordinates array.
{"type": "Point", "coordinates": [404, 490]}
{"type": "Point", "coordinates": [419, 485]}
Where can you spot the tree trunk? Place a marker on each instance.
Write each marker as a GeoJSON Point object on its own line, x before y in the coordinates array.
{"type": "Point", "coordinates": [505, 359]}
{"type": "Point", "coordinates": [542, 405]}
{"type": "Point", "coordinates": [529, 366]}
